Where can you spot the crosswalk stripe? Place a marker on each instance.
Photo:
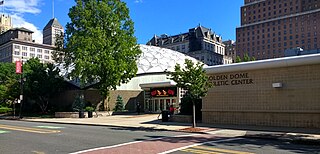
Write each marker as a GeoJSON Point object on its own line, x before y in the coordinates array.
{"type": "Point", "coordinates": [28, 129]}
{"type": "Point", "coordinates": [50, 127]}
{"type": "Point", "coordinates": [221, 150]}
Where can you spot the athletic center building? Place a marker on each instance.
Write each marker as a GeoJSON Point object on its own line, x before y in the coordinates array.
{"type": "Point", "coordinates": [274, 92]}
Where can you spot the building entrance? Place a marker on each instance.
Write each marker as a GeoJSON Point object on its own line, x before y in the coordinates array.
{"type": "Point", "coordinates": [156, 105]}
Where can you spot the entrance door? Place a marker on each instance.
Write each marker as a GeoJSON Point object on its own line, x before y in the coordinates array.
{"type": "Point", "coordinates": [157, 105]}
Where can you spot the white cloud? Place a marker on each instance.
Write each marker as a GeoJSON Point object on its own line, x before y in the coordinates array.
{"type": "Point", "coordinates": [23, 6]}
{"type": "Point", "coordinates": [17, 8]}
{"type": "Point", "coordinates": [138, 1]}
{"type": "Point", "coordinates": [18, 21]}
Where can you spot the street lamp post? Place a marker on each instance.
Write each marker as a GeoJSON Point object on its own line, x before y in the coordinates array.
{"type": "Point", "coordinates": [19, 70]}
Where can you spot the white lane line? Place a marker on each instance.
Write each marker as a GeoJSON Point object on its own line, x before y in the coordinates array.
{"type": "Point", "coordinates": [185, 147]}
{"type": "Point", "coordinates": [123, 144]}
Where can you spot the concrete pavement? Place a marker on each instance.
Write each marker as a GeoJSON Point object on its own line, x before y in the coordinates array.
{"type": "Point", "coordinates": [151, 121]}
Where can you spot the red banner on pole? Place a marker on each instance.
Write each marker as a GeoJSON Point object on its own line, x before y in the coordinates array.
{"type": "Point", "coordinates": [18, 67]}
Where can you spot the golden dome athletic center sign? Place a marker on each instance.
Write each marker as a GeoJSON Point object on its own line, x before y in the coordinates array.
{"type": "Point", "coordinates": [230, 79]}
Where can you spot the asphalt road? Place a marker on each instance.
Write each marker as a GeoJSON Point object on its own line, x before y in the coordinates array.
{"type": "Point", "coordinates": [251, 146]}
{"type": "Point", "coordinates": [19, 137]}
{"type": "Point", "coordinates": [32, 137]}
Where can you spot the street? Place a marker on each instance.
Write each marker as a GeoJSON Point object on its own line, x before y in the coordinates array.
{"type": "Point", "coordinates": [17, 137]}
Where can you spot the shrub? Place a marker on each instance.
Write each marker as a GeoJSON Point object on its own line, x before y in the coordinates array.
{"type": "Point", "coordinates": [78, 103]}
{"type": "Point", "coordinates": [89, 109]}
{"type": "Point", "coordinates": [119, 104]}
{"type": "Point", "coordinates": [5, 109]}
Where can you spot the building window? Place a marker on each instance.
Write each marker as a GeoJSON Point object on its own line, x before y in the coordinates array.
{"type": "Point", "coordinates": [32, 55]}
{"type": "Point", "coordinates": [16, 46]}
{"type": "Point", "coordinates": [16, 53]}
{"type": "Point", "coordinates": [24, 54]}
{"type": "Point", "coordinates": [46, 57]}
{"type": "Point", "coordinates": [39, 56]}
{"type": "Point", "coordinates": [39, 50]}
{"type": "Point", "coordinates": [46, 51]}
{"type": "Point", "coordinates": [32, 49]}
{"type": "Point", "coordinates": [24, 48]}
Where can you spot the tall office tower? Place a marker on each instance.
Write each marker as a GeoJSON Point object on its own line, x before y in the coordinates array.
{"type": "Point", "coordinates": [199, 42]}
{"type": "Point", "coordinates": [269, 27]}
{"type": "Point", "coordinates": [50, 31]}
{"type": "Point", "coordinates": [5, 23]}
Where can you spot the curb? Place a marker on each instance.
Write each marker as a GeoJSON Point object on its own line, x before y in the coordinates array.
{"type": "Point", "coordinates": [114, 126]}
{"type": "Point", "coordinates": [283, 137]}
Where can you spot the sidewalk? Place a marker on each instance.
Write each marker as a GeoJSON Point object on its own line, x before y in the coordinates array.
{"type": "Point", "coordinates": [150, 121]}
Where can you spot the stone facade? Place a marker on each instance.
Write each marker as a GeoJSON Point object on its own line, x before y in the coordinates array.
{"type": "Point", "coordinates": [287, 95]}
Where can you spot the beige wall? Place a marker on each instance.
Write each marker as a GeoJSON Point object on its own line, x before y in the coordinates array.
{"type": "Point", "coordinates": [296, 104]}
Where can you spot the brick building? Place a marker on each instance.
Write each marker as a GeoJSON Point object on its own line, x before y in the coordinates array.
{"type": "Point", "coordinates": [269, 27]}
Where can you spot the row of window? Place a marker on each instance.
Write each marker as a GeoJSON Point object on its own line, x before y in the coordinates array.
{"type": "Point", "coordinates": [25, 54]}
{"type": "Point", "coordinates": [25, 48]}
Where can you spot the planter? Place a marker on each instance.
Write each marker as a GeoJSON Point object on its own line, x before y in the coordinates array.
{"type": "Point", "coordinates": [90, 114]}
{"type": "Point", "coordinates": [182, 118]}
{"type": "Point", "coordinates": [66, 115]}
{"type": "Point", "coordinates": [81, 114]}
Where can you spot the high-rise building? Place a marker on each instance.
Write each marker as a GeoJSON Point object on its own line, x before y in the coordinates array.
{"type": "Point", "coordinates": [199, 42]}
{"type": "Point", "coordinates": [17, 44]}
{"type": "Point", "coordinates": [269, 27]}
{"type": "Point", "coordinates": [230, 49]}
{"type": "Point", "coordinates": [51, 30]}
{"type": "Point", "coordinates": [5, 23]}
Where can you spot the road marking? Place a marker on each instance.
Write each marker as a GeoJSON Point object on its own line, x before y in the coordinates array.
{"type": "Point", "coordinates": [38, 152]}
{"type": "Point", "coordinates": [2, 131]}
{"type": "Point", "coordinates": [221, 150]}
{"type": "Point", "coordinates": [200, 151]}
{"type": "Point", "coordinates": [50, 127]}
{"type": "Point", "coordinates": [123, 144]}
{"type": "Point", "coordinates": [28, 129]}
{"type": "Point", "coordinates": [185, 147]}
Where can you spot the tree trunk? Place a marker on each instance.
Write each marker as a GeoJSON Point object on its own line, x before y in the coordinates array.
{"type": "Point", "coordinates": [193, 114]}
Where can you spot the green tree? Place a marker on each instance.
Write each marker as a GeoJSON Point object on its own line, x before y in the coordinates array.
{"type": "Point", "coordinates": [42, 82]}
{"type": "Point", "coordinates": [245, 58]}
{"type": "Point", "coordinates": [192, 78]}
{"type": "Point", "coordinates": [119, 104]}
{"type": "Point", "coordinates": [9, 84]}
{"type": "Point", "coordinates": [100, 44]}
{"type": "Point", "coordinates": [238, 59]}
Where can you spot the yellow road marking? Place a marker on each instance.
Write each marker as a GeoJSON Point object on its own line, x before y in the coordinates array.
{"type": "Point", "coordinates": [200, 151]}
{"type": "Point", "coordinates": [221, 150]}
{"type": "Point", "coordinates": [38, 152]}
{"type": "Point", "coordinates": [28, 129]}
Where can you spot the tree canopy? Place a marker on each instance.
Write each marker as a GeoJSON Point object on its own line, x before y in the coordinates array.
{"type": "Point", "coordinates": [9, 83]}
{"type": "Point", "coordinates": [42, 82]}
{"type": "Point", "coordinates": [245, 58]}
{"type": "Point", "coordinates": [100, 44]}
{"type": "Point", "coordinates": [192, 78]}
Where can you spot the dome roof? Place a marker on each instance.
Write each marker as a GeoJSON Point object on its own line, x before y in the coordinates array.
{"type": "Point", "coordinates": [155, 59]}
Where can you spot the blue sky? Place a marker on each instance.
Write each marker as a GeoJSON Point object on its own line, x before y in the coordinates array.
{"type": "Point", "coordinates": [150, 16]}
